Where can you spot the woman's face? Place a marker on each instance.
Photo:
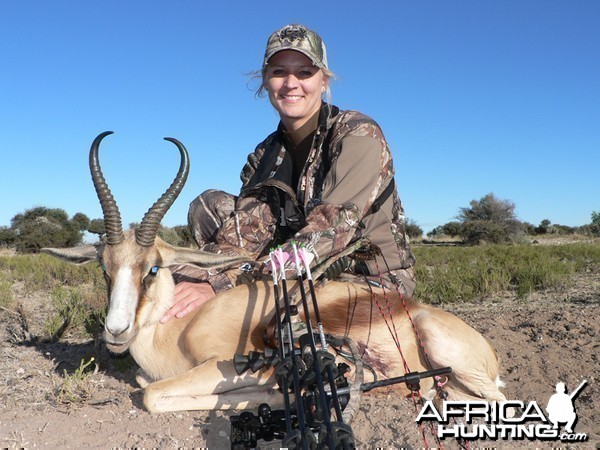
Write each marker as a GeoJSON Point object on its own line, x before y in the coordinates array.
{"type": "Point", "coordinates": [295, 87]}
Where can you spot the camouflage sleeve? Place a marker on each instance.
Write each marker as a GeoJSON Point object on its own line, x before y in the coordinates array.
{"type": "Point", "coordinates": [357, 176]}
{"type": "Point", "coordinates": [247, 232]}
{"type": "Point", "coordinates": [251, 164]}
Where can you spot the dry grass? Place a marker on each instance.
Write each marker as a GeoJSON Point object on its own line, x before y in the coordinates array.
{"type": "Point", "coordinates": [447, 274]}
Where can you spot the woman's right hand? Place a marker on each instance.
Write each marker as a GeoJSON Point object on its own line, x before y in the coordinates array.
{"type": "Point", "coordinates": [188, 297]}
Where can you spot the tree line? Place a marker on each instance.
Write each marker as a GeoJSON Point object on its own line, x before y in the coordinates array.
{"type": "Point", "coordinates": [489, 220]}
{"type": "Point", "coordinates": [493, 220]}
{"type": "Point", "coordinates": [41, 227]}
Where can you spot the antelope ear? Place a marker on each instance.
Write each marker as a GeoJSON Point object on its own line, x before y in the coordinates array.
{"type": "Point", "coordinates": [179, 255]}
{"type": "Point", "coordinates": [76, 255]}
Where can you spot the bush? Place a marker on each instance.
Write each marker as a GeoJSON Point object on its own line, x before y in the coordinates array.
{"type": "Point", "coordinates": [543, 227]}
{"type": "Point", "coordinates": [8, 237]}
{"type": "Point", "coordinates": [81, 221]}
{"type": "Point", "coordinates": [595, 225]}
{"type": "Point", "coordinates": [184, 233]}
{"type": "Point", "coordinates": [96, 226]}
{"type": "Point", "coordinates": [45, 227]}
{"type": "Point", "coordinates": [490, 232]}
{"type": "Point", "coordinates": [413, 230]}
{"type": "Point", "coordinates": [490, 220]}
{"type": "Point", "coordinates": [170, 236]}
{"type": "Point", "coordinates": [452, 229]}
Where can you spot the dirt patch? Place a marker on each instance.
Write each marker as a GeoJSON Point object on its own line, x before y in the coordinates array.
{"type": "Point", "coordinates": [550, 337]}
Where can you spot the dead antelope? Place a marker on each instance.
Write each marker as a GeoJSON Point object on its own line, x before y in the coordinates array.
{"type": "Point", "coordinates": [188, 363]}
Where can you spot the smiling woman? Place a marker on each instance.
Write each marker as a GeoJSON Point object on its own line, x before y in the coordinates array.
{"type": "Point", "coordinates": [295, 87]}
{"type": "Point", "coordinates": [324, 179]}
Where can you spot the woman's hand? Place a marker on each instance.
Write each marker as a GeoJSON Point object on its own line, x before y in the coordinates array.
{"type": "Point", "coordinates": [188, 297]}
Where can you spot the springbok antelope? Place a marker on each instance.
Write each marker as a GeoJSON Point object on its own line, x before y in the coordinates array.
{"type": "Point", "coordinates": [187, 363]}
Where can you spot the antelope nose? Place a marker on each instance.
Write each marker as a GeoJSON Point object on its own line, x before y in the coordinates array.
{"type": "Point", "coordinates": [116, 325]}
{"type": "Point", "coordinates": [116, 330]}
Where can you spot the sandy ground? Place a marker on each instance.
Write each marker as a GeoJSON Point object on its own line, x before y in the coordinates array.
{"type": "Point", "coordinates": [549, 337]}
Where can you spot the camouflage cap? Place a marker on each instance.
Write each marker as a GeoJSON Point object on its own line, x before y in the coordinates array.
{"type": "Point", "coordinates": [301, 39]}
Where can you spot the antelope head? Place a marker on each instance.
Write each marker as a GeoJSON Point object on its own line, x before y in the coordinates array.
{"type": "Point", "coordinates": [139, 290]}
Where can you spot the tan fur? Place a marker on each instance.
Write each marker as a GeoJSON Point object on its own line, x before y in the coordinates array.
{"type": "Point", "coordinates": [188, 362]}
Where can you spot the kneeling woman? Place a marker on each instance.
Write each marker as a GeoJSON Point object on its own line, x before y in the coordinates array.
{"type": "Point", "coordinates": [323, 179]}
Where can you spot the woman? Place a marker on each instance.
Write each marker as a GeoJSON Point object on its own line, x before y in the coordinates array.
{"type": "Point", "coordinates": [324, 179]}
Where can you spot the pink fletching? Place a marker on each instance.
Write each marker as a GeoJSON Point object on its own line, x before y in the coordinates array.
{"type": "Point", "coordinates": [281, 257]}
{"type": "Point", "coordinates": [269, 265]}
{"type": "Point", "coordinates": [305, 256]}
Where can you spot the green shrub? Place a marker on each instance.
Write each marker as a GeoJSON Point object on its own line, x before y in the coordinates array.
{"type": "Point", "coordinates": [413, 230]}
{"type": "Point", "coordinates": [490, 220]}
{"type": "Point", "coordinates": [8, 237]}
{"type": "Point", "coordinates": [47, 227]}
{"type": "Point", "coordinates": [77, 387]}
{"type": "Point", "coordinates": [72, 311]}
{"type": "Point", "coordinates": [595, 225]}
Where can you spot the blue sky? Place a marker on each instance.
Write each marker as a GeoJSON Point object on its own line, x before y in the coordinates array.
{"type": "Point", "coordinates": [473, 97]}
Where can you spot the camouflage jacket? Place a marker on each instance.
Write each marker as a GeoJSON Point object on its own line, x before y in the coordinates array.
{"type": "Point", "coordinates": [348, 168]}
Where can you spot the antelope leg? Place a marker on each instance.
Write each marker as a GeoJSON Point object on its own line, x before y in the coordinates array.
{"type": "Point", "coordinates": [212, 385]}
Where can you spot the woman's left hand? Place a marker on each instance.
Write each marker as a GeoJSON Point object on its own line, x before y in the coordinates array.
{"type": "Point", "coordinates": [188, 297]}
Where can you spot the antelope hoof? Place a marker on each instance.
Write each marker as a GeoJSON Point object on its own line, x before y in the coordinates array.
{"type": "Point", "coordinates": [143, 380]}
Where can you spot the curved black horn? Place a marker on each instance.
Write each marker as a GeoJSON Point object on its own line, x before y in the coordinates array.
{"type": "Point", "coordinates": [146, 233]}
{"type": "Point", "coordinates": [112, 217]}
